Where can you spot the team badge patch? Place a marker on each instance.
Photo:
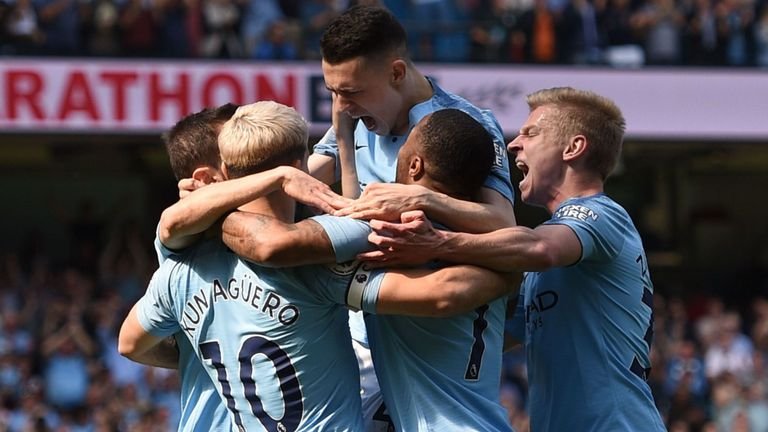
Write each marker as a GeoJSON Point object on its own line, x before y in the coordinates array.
{"type": "Point", "coordinates": [345, 268]}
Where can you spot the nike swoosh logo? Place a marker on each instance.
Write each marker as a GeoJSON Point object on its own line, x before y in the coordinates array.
{"type": "Point", "coordinates": [359, 146]}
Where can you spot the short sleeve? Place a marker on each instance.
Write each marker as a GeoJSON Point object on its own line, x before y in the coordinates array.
{"type": "Point", "coordinates": [596, 226]}
{"type": "Point", "coordinates": [327, 146]}
{"type": "Point", "coordinates": [349, 237]}
{"type": "Point", "coordinates": [162, 252]}
{"type": "Point", "coordinates": [155, 310]}
{"type": "Point", "coordinates": [499, 179]}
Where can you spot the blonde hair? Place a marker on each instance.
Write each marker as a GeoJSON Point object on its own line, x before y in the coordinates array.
{"type": "Point", "coordinates": [582, 112]}
{"type": "Point", "coordinates": [261, 136]}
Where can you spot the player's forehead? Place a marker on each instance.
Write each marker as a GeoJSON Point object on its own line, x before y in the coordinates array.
{"type": "Point", "coordinates": [536, 121]}
{"type": "Point", "coordinates": [354, 74]}
{"type": "Point", "coordinates": [348, 75]}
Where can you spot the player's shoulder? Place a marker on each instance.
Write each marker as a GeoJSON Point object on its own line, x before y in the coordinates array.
{"type": "Point", "coordinates": [200, 257]}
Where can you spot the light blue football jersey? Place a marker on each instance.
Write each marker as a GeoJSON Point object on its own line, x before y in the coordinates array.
{"type": "Point", "coordinates": [436, 374]}
{"type": "Point", "coordinates": [201, 407]}
{"type": "Point", "coordinates": [275, 341]}
{"type": "Point", "coordinates": [588, 327]}
{"type": "Point", "coordinates": [376, 156]}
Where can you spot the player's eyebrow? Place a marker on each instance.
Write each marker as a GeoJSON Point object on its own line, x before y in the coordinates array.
{"type": "Point", "coordinates": [342, 89]}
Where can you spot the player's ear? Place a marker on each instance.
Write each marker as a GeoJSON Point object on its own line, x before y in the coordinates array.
{"type": "Point", "coordinates": [416, 168]}
{"type": "Point", "coordinates": [398, 71]}
{"type": "Point", "coordinates": [224, 171]}
{"type": "Point", "coordinates": [207, 175]}
{"type": "Point", "coordinates": [577, 146]}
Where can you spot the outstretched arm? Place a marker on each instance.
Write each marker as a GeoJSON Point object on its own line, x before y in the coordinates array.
{"type": "Point", "coordinates": [445, 292]}
{"type": "Point", "coordinates": [181, 222]}
{"type": "Point", "coordinates": [386, 201]}
{"type": "Point", "coordinates": [507, 249]}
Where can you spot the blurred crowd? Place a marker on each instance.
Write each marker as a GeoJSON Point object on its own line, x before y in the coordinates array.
{"type": "Point", "coordinates": [623, 33]}
{"type": "Point", "coordinates": [60, 369]}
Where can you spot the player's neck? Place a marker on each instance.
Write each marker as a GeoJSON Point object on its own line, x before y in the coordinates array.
{"type": "Point", "coordinates": [575, 188]}
{"type": "Point", "coordinates": [415, 90]}
{"type": "Point", "coordinates": [276, 204]}
{"type": "Point", "coordinates": [418, 88]}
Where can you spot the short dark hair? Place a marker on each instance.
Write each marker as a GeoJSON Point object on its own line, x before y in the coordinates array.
{"type": "Point", "coordinates": [193, 141]}
{"type": "Point", "coordinates": [460, 151]}
{"type": "Point", "coordinates": [367, 31]}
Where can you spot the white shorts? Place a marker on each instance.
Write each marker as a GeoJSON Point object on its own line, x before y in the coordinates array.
{"type": "Point", "coordinates": [375, 417]}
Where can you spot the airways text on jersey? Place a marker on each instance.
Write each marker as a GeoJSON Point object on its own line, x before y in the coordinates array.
{"type": "Point", "coordinates": [244, 290]}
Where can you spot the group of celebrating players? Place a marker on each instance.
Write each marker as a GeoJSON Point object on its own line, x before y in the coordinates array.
{"type": "Point", "coordinates": [355, 312]}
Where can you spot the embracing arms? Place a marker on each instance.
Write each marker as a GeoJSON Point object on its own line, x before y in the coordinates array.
{"type": "Point", "coordinates": [184, 220]}
{"type": "Point", "coordinates": [507, 249]}
{"type": "Point", "coordinates": [386, 201]}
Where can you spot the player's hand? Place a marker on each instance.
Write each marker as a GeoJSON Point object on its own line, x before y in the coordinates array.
{"type": "Point", "coordinates": [310, 191]}
{"type": "Point", "coordinates": [188, 185]}
{"type": "Point", "coordinates": [411, 242]}
{"type": "Point", "coordinates": [385, 201]}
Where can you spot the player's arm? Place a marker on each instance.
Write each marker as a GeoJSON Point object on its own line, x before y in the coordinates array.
{"type": "Point", "coordinates": [164, 355]}
{"type": "Point", "coordinates": [181, 222]}
{"type": "Point", "coordinates": [322, 167]}
{"type": "Point", "coordinates": [135, 343]}
{"type": "Point", "coordinates": [270, 242]}
{"type": "Point", "coordinates": [343, 126]}
{"type": "Point", "coordinates": [440, 293]}
{"type": "Point", "coordinates": [387, 201]}
{"type": "Point", "coordinates": [508, 249]}
{"type": "Point", "coordinates": [515, 248]}
{"type": "Point", "coordinates": [493, 211]}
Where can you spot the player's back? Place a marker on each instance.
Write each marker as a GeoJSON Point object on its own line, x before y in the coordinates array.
{"type": "Point", "coordinates": [278, 348]}
{"type": "Point", "coordinates": [441, 373]}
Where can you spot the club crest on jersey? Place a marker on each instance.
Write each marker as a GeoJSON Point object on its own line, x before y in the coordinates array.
{"type": "Point", "coordinates": [345, 268]}
{"type": "Point", "coordinates": [575, 211]}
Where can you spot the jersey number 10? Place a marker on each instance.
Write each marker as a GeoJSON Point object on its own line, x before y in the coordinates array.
{"type": "Point", "coordinates": [286, 376]}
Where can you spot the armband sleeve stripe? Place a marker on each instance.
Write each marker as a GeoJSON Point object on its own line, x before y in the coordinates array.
{"type": "Point", "coordinates": [357, 287]}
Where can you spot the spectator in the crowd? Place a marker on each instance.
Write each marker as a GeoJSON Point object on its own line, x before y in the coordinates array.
{"type": "Point", "coordinates": [761, 37]}
{"type": "Point", "coordinates": [22, 28]}
{"type": "Point", "coordinates": [536, 33]}
{"type": "Point", "coordinates": [66, 354]}
{"type": "Point", "coordinates": [737, 19]}
{"type": "Point", "coordinates": [221, 38]}
{"type": "Point", "coordinates": [277, 45]}
{"type": "Point", "coordinates": [704, 44]}
{"type": "Point", "coordinates": [103, 37]}
{"type": "Point", "coordinates": [175, 23]}
{"type": "Point", "coordinates": [138, 22]}
{"type": "Point", "coordinates": [686, 368]}
{"type": "Point", "coordinates": [615, 23]}
{"type": "Point", "coordinates": [315, 17]}
{"type": "Point", "coordinates": [258, 15]}
{"type": "Point", "coordinates": [489, 32]}
{"type": "Point", "coordinates": [60, 21]}
{"type": "Point", "coordinates": [578, 34]}
{"type": "Point", "coordinates": [731, 351]}
{"type": "Point", "coordinates": [661, 22]}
